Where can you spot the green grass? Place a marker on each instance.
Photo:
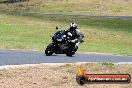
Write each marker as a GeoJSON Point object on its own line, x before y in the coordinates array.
{"type": "Point", "coordinates": [33, 32]}
{"type": "Point", "coordinates": [89, 7]}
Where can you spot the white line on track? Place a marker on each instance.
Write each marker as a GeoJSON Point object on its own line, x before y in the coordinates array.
{"type": "Point", "coordinates": [52, 64]}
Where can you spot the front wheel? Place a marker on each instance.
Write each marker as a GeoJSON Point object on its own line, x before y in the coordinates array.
{"type": "Point", "coordinates": [48, 50]}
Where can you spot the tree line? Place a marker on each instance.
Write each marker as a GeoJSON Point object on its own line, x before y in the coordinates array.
{"type": "Point", "coordinates": [12, 1]}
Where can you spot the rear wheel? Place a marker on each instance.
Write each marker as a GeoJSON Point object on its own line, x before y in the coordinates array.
{"type": "Point", "coordinates": [70, 54]}
{"type": "Point", "coordinates": [49, 50]}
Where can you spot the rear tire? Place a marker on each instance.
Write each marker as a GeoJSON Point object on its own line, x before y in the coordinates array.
{"type": "Point", "coordinates": [70, 54]}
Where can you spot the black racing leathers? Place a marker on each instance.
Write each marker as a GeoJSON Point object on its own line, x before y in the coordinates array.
{"type": "Point", "coordinates": [76, 38]}
{"type": "Point", "coordinates": [75, 35]}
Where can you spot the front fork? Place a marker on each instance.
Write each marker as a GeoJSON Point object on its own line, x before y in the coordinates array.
{"type": "Point", "coordinates": [56, 47]}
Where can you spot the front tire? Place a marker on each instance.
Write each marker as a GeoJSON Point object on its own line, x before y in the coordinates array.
{"type": "Point", "coordinates": [49, 51]}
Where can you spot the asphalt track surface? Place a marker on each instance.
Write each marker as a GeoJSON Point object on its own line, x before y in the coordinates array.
{"type": "Point", "coordinates": [71, 15]}
{"type": "Point", "coordinates": [17, 57]}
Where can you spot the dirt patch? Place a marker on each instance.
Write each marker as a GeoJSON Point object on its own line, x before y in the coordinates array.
{"type": "Point", "coordinates": [45, 76]}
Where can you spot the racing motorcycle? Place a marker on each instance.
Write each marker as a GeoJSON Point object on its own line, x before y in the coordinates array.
{"type": "Point", "coordinates": [61, 44]}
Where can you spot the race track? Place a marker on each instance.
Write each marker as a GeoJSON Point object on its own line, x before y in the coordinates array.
{"type": "Point", "coordinates": [16, 57]}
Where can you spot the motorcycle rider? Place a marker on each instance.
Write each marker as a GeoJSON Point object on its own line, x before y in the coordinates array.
{"type": "Point", "coordinates": [65, 41]}
{"type": "Point", "coordinates": [75, 35]}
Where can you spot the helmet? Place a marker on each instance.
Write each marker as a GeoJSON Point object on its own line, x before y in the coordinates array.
{"type": "Point", "coordinates": [73, 26]}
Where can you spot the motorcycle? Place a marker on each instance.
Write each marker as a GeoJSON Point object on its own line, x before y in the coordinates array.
{"type": "Point", "coordinates": [61, 44]}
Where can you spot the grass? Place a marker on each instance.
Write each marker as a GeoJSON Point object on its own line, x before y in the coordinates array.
{"type": "Point", "coordinates": [44, 76]}
{"type": "Point", "coordinates": [89, 7]}
{"type": "Point", "coordinates": [19, 34]}
{"type": "Point", "coordinates": [33, 32]}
